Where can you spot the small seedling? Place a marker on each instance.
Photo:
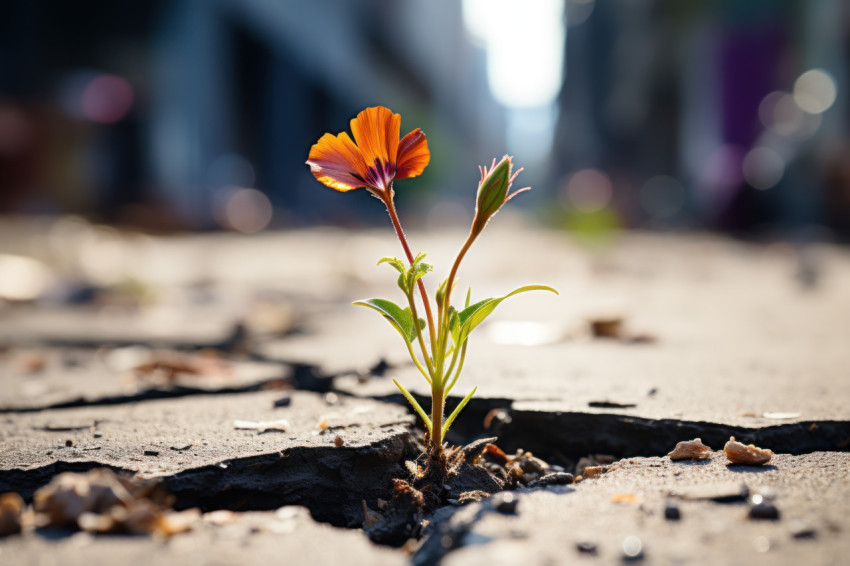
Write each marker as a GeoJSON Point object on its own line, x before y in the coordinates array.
{"type": "Point", "coordinates": [373, 161]}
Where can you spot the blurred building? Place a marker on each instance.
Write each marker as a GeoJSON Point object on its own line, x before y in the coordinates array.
{"type": "Point", "coordinates": [200, 113]}
{"type": "Point", "coordinates": [727, 114]}
{"type": "Point", "coordinates": [149, 111]}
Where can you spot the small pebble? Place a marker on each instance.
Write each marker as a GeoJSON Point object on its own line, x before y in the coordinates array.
{"type": "Point", "coordinates": [555, 478]}
{"type": "Point", "coordinates": [766, 511]}
{"type": "Point", "coordinates": [671, 512]}
{"type": "Point", "coordinates": [338, 441]}
{"type": "Point", "coordinates": [282, 402]}
{"type": "Point", "coordinates": [151, 453]}
{"type": "Point", "coordinates": [802, 531]}
{"type": "Point", "coordinates": [69, 443]}
{"type": "Point", "coordinates": [331, 398]}
{"type": "Point", "coordinates": [505, 502]}
{"type": "Point", "coordinates": [632, 548]}
{"type": "Point", "coordinates": [586, 547]}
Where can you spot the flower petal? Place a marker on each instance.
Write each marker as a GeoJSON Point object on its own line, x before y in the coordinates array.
{"type": "Point", "coordinates": [376, 132]}
{"type": "Point", "coordinates": [336, 162]}
{"type": "Point", "coordinates": [413, 155]}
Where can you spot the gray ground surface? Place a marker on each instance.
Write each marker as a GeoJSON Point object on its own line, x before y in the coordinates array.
{"type": "Point", "coordinates": [284, 536]}
{"type": "Point", "coordinates": [84, 377]}
{"type": "Point", "coordinates": [119, 436]}
{"type": "Point", "coordinates": [735, 338]}
{"type": "Point", "coordinates": [811, 493]}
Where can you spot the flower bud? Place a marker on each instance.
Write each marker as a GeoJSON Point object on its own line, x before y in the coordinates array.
{"type": "Point", "coordinates": [492, 190]}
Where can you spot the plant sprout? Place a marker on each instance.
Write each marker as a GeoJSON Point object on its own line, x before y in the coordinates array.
{"type": "Point", "coordinates": [436, 344]}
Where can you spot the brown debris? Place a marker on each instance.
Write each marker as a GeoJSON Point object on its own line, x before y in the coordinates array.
{"type": "Point", "coordinates": [524, 468]}
{"type": "Point", "coordinates": [11, 511]}
{"type": "Point", "coordinates": [607, 327]}
{"type": "Point", "coordinates": [592, 472]}
{"type": "Point", "coordinates": [748, 455]}
{"type": "Point", "coordinates": [624, 498]}
{"type": "Point", "coordinates": [30, 362]}
{"type": "Point", "coordinates": [403, 488]}
{"type": "Point", "coordinates": [497, 453]}
{"type": "Point", "coordinates": [101, 501]}
{"type": "Point", "coordinates": [370, 517]}
{"type": "Point", "coordinates": [691, 450]}
{"type": "Point", "coordinates": [472, 452]}
{"type": "Point", "coordinates": [167, 367]}
{"type": "Point", "coordinates": [496, 417]}
{"type": "Point", "coordinates": [472, 496]}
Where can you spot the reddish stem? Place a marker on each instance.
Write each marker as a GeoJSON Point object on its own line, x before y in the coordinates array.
{"type": "Point", "coordinates": [388, 200]}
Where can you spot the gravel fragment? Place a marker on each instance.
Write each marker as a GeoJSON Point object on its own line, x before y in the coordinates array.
{"type": "Point", "coordinates": [671, 512]}
{"type": "Point", "coordinates": [767, 511]}
{"type": "Point", "coordinates": [748, 455]}
{"type": "Point", "coordinates": [691, 450]}
{"type": "Point", "coordinates": [505, 502]}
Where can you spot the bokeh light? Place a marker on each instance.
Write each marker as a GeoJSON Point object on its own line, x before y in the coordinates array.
{"type": "Point", "coordinates": [815, 91]}
{"type": "Point", "coordinates": [242, 209]}
{"type": "Point", "coordinates": [722, 170]}
{"type": "Point", "coordinates": [22, 278]}
{"type": "Point", "coordinates": [107, 99]}
{"type": "Point", "coordinates": [588, 190]}
{"type": "Point", "coordinates": [763, 168]}
{"type": "Point", "coordinates": [780, 113]}
{"type": "Point", "coordinates": [525, 45]}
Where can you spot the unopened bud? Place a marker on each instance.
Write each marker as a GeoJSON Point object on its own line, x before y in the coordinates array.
{"type": "Point", "coordinates": [492, 190]}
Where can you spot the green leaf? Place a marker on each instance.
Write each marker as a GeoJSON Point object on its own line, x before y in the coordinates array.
{"type": "Point", "coordinates": [399, 318]}
{"type": "Point", "coordinates": [408, 276]}
{"type": "Point", "coordinates": [415, 406]}
{"type": "Point", "coordinates": [457, 410]}
{"type": "Point", "coordinates": [394, 262]}
{"type": "Point", "coordinates": [417, 271]}
{"type": "Point", "coordinates": [473, 315]}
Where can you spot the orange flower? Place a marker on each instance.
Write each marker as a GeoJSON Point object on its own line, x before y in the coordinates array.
{"type": "Point", "coordinates": [375, 160]}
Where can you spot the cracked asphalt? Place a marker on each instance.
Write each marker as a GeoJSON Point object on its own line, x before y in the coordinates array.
{"type": "Point", "coordinates": [716, 338]}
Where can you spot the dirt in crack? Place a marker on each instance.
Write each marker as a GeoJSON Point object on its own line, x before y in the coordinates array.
{"type": "Point", "coordinates": [473, 472]}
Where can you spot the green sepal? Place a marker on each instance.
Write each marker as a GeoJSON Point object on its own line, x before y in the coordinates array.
{"type": "Point", "coordinates": [473, 315]}
{"type": "Point", "coordinates": [457, 410]}
{"type": "Point", "coordinates": [399, 318]}
{"type": "Point", "coordinates": [421, 412]}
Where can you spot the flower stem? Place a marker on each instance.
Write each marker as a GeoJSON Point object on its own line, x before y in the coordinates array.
{"type": "Point", "coordinates": [437, 405]}
{"type": "Point", "coordinates": [453, 273]}
{"type": "Point", "coordinates": [388, 200]}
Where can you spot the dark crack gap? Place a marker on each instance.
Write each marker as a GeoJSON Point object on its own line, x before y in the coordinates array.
{"type": "Point", "coordinates": [331, 481]}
